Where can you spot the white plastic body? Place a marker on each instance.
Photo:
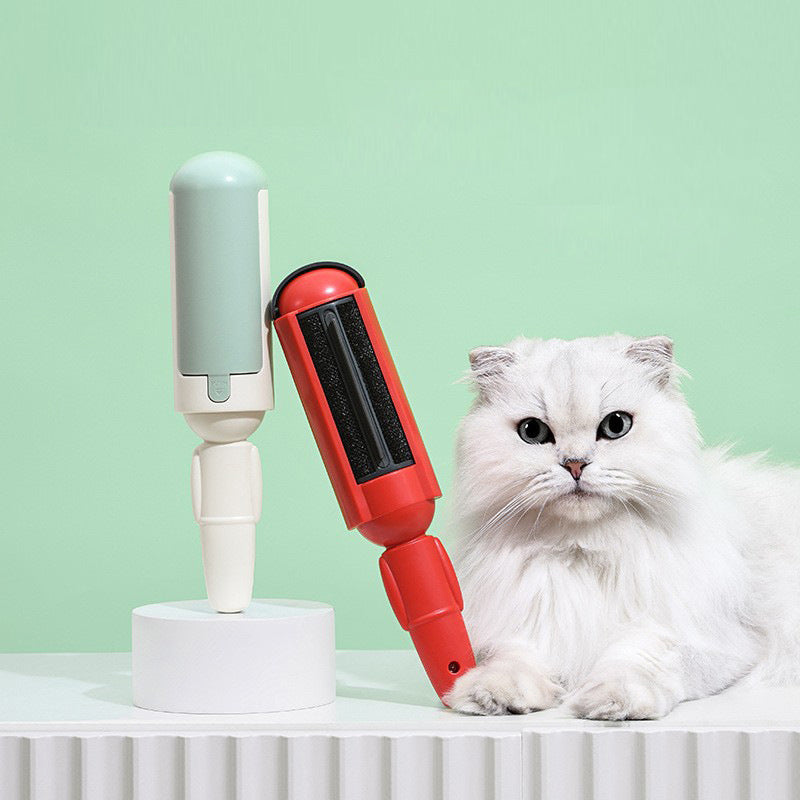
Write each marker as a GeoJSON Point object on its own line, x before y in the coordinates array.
{"type": "Point", "coordinates": [248, 392]}
{"type": "Point", "coordinates": [226, 470]}
{"type": "Point", "coordinates": [277, 656]}
{"type": "Point", "coordinates": [226, 500]}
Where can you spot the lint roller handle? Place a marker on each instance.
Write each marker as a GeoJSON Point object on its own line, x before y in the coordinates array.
{"type": "Point", "coordinates": [424, 594]}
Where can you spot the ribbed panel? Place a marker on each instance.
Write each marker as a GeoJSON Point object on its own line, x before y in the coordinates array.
{"type": "Point", "coordinates": [246, 767]}
{"type": "Point", "coordinates": [608, 764]}
{"type": "Point", "coordinates": [618, 764]}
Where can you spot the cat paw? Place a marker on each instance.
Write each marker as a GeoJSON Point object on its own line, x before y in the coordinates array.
{"type": "Point", "coordinates": [618, 699]}
{"type": "Point", "coordinates": [493, 689]}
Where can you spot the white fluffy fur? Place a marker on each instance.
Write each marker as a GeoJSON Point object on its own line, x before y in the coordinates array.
{"type": "Point", "coordinates": [675, 574]}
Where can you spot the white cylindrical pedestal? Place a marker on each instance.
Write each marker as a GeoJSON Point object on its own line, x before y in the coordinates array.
{"type": "Point", "coordinates": [276, 655]}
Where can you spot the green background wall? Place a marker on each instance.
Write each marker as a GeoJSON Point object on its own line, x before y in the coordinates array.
{"type": "Point", "coordinates": [549, 169]}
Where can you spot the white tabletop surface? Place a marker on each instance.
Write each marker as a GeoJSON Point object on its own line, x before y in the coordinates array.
{"type": "Point", "coordinates": [376, 690]}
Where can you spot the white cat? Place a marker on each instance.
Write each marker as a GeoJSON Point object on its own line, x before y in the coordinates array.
{"type": "Point", "coordinates": [607, 559]}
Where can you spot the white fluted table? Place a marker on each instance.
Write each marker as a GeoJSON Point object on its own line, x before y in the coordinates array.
{"type": "Point", "coordinates": [68, 731]}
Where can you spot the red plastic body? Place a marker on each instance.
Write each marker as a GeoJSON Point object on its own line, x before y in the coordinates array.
{"type": "Point", "coordinates": [395, 509]}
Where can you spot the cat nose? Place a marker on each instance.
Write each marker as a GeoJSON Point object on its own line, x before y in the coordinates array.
{"type": "Point", "coordinates": [574, 466]}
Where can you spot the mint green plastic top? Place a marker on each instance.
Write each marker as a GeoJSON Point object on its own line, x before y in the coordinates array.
{"type": "Point", "coordinates": [217, 276]}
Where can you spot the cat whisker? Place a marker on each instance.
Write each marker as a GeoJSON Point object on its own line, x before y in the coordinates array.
{"type": "Point", "coordinates": [623, 475]}
{"type": "Point", "coordinates": [639, 501]}
{"type": "Point", "coordinates": [645, 501]}
{"type": "Point", "coordinates": [518, 505]}
{"type": "Point", "coordinates": [520, 515]}
{"type": "Point", "coordinates": [626, 506]}
{"type": "Point", "coordinates": [498, 516]}
{"type": "Point", "coordinates": [644, 493]}
{"type": "Point", "coordinates": [662, 493]}
{"type": "Point", "coordinates": [538, 516]}
{"type": "Point", "coordinates": [620, 484]}
{"type": "Point", "coordinates": [607, 394]}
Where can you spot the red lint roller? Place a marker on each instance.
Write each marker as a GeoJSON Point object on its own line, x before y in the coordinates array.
{"type": "Point", "coordinates": [373, 453]}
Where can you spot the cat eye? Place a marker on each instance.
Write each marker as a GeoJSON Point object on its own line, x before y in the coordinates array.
{"type": "Point", "coordinates": [615, 425]}
{"type": "Point", "coordinates": [534, 431]}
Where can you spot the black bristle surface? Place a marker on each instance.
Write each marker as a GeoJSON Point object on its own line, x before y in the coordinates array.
{"type": "Point", "coordinates": [336, 395]}
{"type": "Point", "coordinates": [354, 386]}
{"type": "Point", "coordinates": [373, 378]}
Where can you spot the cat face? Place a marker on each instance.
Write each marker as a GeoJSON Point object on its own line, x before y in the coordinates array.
{"type": "Point", "coordinates": [575, 430]}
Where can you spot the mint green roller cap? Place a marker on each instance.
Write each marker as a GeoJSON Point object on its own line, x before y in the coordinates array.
{"type": "Point", "coordinates": [217, 272]}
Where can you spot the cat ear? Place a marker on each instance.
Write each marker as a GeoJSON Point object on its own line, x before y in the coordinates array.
{"type": "Point", "coordinates": [656, 353]}
{"type": "Point", "coordinates": [487, 367]}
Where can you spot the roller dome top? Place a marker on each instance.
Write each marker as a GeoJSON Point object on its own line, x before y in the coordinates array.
{"type": "Point", "coordinates": [314, 288]}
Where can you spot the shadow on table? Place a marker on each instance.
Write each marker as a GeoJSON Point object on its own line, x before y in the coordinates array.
{"type": "Point", "coordinates": [389, 676]}
{"type": "Point", "coordinates": [107, 674]}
